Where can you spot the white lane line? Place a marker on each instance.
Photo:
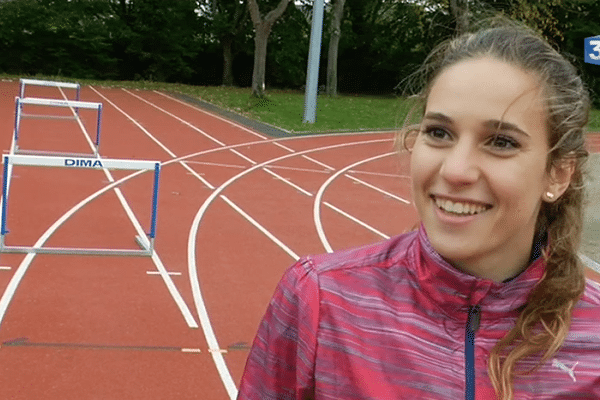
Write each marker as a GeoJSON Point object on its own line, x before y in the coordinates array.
{"type": "Point", "coordinates": [261, 228]}
{"type": "Point", "coordinates": [209, 334]}
{"type": "Point", "coordinates": [285, 180]}
{"type": "Point", "coordinates": [216, 164]}
{"type": "Point", "coordinates": [288, 149]}
{"type": "Point", "coordinates": [158, 273]}
{"type": "Point", "coordinates": [311, 159]}
{"type": "Point", "coordinates": [5, 268]}
{"type": "Point", "coordinates": [176, 117]}
{"type": "Point", "coordinates": [322, 164]}
{"type": "Point", "coordinates": [237, 153]}
{"type": "Point", "coordinates": [319, 196]}
{"type": "Point", "coordinates": [198, 299]}
{"type": "Point", "coordinates": [589, 262]}
{"type": "Point", "coordinates": [236, 166]}
{"type": "Point", "coordinates": [205, 323]}
{"type": "Point", "coordinates": [320, 171]}
{"type": "Point", "coordinates": [379, 174]}
{"type": "Point", "coordinates": [212, 115]}
{"type": "Point", "coordinates": [393, 196]}
{"type": "Point", "coordinates": [184, 350]}
{"type": "Point", "coordinates": [187, 315]}
{"type": "Point", "coordinates": [155, 140]}
{"type": "Point", "coordinates": [358, 221]}
{"type": "Point", "coordinates": [26, 262]}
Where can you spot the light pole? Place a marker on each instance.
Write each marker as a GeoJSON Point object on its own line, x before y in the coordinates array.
{"type": "Point", "coordinates": [314, 57]}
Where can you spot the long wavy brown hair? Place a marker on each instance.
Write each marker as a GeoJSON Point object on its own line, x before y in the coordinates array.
{"type": "Point", "coordinates": [543, 324]}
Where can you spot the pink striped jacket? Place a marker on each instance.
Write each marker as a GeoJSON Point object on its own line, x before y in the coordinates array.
{"type": "Point", "coordinates": [393, 320]}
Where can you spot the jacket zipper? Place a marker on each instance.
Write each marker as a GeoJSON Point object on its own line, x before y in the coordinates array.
{"type": "Point", "coordinates": [472, 327]}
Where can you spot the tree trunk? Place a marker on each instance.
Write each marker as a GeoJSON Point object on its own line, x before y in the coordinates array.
{"type": "Point", "coordinates": [261, 38]}
{"type": "Point", "coordinates": [334, 42]}
{"type": "Point", "coordinates": [262, 30]}
{"type": "Point", "coordinates": [460, 11]}
{"type": "Point", "coordinates": [227, 42]}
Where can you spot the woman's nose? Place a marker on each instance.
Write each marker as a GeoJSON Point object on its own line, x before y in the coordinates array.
{"type": "Point", "coordinates": [460, 164]}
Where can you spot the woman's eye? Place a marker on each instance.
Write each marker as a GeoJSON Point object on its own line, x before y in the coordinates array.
{"type": "Point", "coordinates": [501, 142]}
{"type": "Point", "coordinates": [436, 133]}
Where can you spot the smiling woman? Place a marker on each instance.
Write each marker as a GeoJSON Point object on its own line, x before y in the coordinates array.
{"type": "Point", "coordinates": [487, 299]}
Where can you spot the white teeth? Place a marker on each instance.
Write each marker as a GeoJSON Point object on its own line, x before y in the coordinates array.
{"type": "Point", "coordinates": [459, 208]}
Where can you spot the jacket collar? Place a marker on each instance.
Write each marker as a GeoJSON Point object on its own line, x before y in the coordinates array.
{"type": "Point", "coordinates": [455, 290]}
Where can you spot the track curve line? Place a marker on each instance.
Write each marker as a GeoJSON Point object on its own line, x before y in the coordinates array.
{"type": "Point", "coordinates": [192, 265]}
{"type": "Point", "coordinates": [319, 196]}
{"type": "Point", "coordinates": [24, 265]}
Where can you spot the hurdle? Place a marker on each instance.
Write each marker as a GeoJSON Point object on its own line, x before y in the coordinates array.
{"type": "Point", "coordinates": [146, 243]}
{"type": "Point", "coordinates": [23, 82]}
{"type": "Point", "coordinates": [19, 102]}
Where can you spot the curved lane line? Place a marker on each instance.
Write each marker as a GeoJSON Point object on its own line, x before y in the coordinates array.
{"type": "Point", "coordinates": [193, 269]}
{"type": "Point", "coordinates": [24, 265]}
{"type": "Point", "coordinates": [13, 284]}
{"type": "Point", "coordinates": [194, 280]}
{"type": "Point", "coordinates": [172, 289]}
{"type": "Point", "coordinates": [356, 220]}
{"type": "Point", "coordinates": [319, 196]}
{"type": "Point", "coordinates": [20, 272]}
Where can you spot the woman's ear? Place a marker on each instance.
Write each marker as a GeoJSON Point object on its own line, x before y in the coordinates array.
{"type": "Point", "coordinates": [560, 175]}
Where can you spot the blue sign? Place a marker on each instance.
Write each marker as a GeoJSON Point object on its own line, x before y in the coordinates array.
{"type": "Point", "coordinates": [592, 50]}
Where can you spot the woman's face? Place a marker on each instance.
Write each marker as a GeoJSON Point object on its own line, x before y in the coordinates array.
{"type": "Point", "coordinates": [479, 166]}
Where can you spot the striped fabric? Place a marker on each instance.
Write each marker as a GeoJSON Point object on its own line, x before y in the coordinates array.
{"type": "Point", "coordinates": [388, 321]}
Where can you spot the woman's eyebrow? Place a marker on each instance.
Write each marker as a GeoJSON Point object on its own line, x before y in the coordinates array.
{"type": "Point", "coordinates": [498, 125]}
{"type": "Point", "coordinates": [438, 117]}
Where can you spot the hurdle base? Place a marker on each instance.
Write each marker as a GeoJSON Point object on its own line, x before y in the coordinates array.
{"type": "Point", "coordinates": [144, 243]}
{"type": "Point", "coordinates": [75, 251]}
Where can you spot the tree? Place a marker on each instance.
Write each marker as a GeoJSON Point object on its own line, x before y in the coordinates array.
{"type": "Point", "coordinates": [460, 12]}
{"type": "Point", "coordinates": [155, 39]}
{"type": "Point", "coordinates": [262, 30]}
{"type": "Point", "coordinates": [228, 20]}
{"type": "Point", "coordinates": [334, 43]}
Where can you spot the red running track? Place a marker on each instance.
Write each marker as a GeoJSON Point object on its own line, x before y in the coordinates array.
{"type": "Point", "coordinates": [235, 210]}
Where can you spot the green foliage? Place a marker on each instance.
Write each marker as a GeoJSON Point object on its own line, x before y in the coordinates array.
{"type": "Point", "coordinates": [382, 42]}
{"type": "Point", "coordinates": [288, 50]}
{"type": "Point", "coordinates": [57, 37]}
{"type": "Point", "coordinates": [157, 39]}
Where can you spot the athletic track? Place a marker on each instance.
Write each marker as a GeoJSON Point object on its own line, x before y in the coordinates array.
{"type": "Point", "coordinates": [235, 209]}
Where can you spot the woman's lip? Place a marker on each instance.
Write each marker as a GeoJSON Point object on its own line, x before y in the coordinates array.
{"type": "Point", "coordinates": [460, 200]}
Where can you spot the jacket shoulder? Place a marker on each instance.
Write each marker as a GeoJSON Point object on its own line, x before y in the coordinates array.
{"type": "Point", "coordinates": [591, 294]}
{"type": "Point", "coordinates": [388, 252]}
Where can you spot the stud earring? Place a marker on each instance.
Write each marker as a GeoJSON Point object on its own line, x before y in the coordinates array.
{"type": "Point", "coordinates": [550, 195]}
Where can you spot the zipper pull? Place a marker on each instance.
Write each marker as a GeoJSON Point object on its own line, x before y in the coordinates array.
{"type": "Point", "coordinates": [474, 318]}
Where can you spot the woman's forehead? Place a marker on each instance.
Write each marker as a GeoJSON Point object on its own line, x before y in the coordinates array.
{"type": "Point", "coordinates": [488, 88]}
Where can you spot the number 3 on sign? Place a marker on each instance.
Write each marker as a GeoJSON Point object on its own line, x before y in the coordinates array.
{"type": "Point", "coordinates": [596, 44]}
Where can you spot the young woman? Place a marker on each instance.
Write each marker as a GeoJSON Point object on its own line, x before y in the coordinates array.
{"type": "Point", "coordinates": [487, 299]}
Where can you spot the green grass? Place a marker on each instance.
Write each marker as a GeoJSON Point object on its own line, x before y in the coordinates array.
{"type": "Point", "coordinates": [594, 124]}
{"type": "Point", "coordinates": [281, 108]}
{"type": "Point", "coordinates": [285, 108]}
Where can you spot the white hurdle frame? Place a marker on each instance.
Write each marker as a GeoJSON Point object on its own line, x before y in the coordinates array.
{"type": "Point", "coordinates": [19, 102]}
{"type": "Point", "coordinates": [147, 244]}
{"type": "Point", "coordinates": [38, 82]}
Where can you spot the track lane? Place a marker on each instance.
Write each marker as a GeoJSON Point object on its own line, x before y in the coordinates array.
{"type": "Point", "coordinates": [228, 311]}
